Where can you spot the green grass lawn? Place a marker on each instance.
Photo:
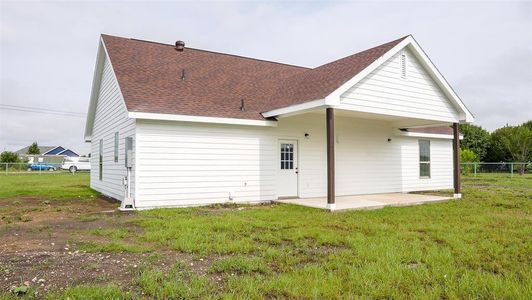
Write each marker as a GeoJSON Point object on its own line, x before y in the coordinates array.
{"type": "Point", "coordinates": [54, 186]}
{"type": "Point", "coordinates": [478, 247]}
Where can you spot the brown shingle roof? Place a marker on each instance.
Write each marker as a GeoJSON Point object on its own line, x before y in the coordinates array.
{"type": "Point", "coordinates": [149, 75]}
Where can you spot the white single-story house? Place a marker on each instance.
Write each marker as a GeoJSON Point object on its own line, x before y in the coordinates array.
{"type": "Point", "coordinates": [173, 126]}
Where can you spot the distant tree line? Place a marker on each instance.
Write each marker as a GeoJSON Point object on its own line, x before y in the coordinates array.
{"type": "Point", "coordinates": [505, 144]}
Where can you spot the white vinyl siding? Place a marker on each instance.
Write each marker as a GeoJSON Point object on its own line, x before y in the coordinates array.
{"type": "Point", "coordinates": [385, 91]}
{"type": "Point", "coordinates": [441, 165]}
{"type": "Point", "coordinates": [110, 117]}
{"type": "Point", "coordinates": [182, 163]}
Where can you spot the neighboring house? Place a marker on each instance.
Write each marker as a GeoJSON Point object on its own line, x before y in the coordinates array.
{"type": "Point", "coordinates": [207, 127]}
{"type": "Point", "coordinates": [49, 150]}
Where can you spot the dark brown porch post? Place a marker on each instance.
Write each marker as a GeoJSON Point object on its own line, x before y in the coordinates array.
{"type": "Point", "coordinates": [330, 159]}
{"type": "Point", "coordinates": [456, 161]}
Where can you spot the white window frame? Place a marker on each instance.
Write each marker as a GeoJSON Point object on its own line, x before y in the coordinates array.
{"type": "Point", "coordinates": [428, 162]}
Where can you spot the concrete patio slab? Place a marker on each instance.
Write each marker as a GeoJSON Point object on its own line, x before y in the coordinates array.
{"type": "Point", "coordinates": [373, 201]}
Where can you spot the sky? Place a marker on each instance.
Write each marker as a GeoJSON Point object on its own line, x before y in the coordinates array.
{"type": "Point", "coordinates": [48, 49]}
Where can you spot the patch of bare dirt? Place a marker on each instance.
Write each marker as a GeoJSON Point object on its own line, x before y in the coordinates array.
{"type": "Point", "coordinates": [38, 246]}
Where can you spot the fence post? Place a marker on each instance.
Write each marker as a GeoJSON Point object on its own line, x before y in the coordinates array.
{"type": "Point", "coordinates": [511, 170]}
{"type": "Point", "coordinates": [6, 168]}
{"type": "Point", "coordinates": [475, 168]}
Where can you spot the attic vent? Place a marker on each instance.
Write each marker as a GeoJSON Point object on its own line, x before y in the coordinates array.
{"type": "Point", "coordinates": [180, 46]}
{"type": "Point", "coordinates": [403, 65]}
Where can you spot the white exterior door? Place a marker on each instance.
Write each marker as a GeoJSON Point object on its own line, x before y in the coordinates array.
{"type": "Point", "coordinates": [288, 169]}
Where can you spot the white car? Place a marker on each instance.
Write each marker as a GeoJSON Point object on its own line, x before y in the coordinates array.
{"type": "Point", "coordinates": [74, 164]}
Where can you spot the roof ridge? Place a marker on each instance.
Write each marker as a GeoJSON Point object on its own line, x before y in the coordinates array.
{"type": "Point", "coordinates": [215, 52]}
{"type": "Point", "coordinates": [397, 41]}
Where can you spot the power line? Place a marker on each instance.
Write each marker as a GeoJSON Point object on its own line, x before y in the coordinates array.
{"type": "Point", "coordinates": [42, 111]}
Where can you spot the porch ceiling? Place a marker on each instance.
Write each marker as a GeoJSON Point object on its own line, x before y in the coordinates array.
{"type": "Point", "coordinates": [373, 201]}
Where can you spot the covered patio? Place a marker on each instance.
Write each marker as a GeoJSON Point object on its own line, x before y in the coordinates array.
{"type": "Point", "coordinates": [373, 201]}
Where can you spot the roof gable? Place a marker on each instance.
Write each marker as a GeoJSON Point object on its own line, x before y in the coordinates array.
{"type": "Point", "coordinates": [54, 151]}
{"type": "Point", "coordinates": [400, 87]}
{"type": "Point", "coordinates": [320, 82]}
{"type": "Point", "coordinates": [333, 99]}
{"type": "Point", "coordinates": [42, 149]}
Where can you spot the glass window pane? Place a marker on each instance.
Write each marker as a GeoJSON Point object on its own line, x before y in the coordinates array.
{"type": "Point", "coordinates": [287, 156]}
{"type": "Point", "coordinates": [424, 170]}
{"type": "Point", "coordinates": [424, 150]}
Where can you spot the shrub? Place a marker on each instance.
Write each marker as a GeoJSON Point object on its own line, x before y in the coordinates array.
{"type": "Point", "coordinates": [468, 156]}
{"type": "Point", "coordinates": [9, 157]}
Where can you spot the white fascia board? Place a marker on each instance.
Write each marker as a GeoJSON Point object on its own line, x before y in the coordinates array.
{"type": "Point", "coordinates": [334, 97]}
{"type": "Point", "coordinates": [427, 135]}
{"type": "Point", "coordinates": [95, 88]}
{"type": "Point", "coordinates": [465, 114]}
{"type": "Point", "coordinates": [66, 151]}
{"type": "Point", "coordinates": [53, 150]}
{"type": "Point", "coordinates": [200, 119]}
{"type": "Point", "coordinates": [294, 109]}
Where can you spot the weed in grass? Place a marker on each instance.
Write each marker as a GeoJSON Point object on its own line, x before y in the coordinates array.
{"type": "Point", "coordinates": [88, 218]}
{"type": "Point", "coordinates": [152, 258]}
{"type": "Point", "coordinates": [178, 283]}
{"type": "Point", "coordinates": [42, 265]}
{"type": "Point", "coordinates": [86, 292]}
{"type": "Point", "coordinates": [90, 266]}
{"type": "Point", "coordinates": [239, 265]}
{"type": "Point", "coordinates": [115, 233]}
{"type": "Point", "coordinates": [114, 246]}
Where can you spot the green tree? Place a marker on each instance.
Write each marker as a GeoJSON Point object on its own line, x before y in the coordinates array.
{"type": "Point", "coordinates": [514, 143]}
{"type": "Point", "coordinates": [9, 157]}
{"type": "Point", "coordinates": [476, 139]}
{"type": "Point", "coordinates": [34, 149]}
{"type": "Point", "coordinates": [468, 156]}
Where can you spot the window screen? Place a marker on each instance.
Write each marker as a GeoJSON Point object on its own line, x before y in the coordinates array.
{"type": "Point", "coordinates": [287, 156]}
{"type": "Point", "coordinates": [100, 160]}
{"type": "Point", "coordinates": [424, 159]}
{"type": "Point", "coordinates": [116, 146]}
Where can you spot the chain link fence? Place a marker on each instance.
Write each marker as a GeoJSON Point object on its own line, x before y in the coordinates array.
{"type": "Point", "coordinates": [36, 168]}
{"type": "Point", "coordinates": [510, 168]}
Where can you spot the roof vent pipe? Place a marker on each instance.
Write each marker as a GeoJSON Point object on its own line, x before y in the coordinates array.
{"type": "Point", "coordinates": [242, 107]}
{"type": "Point", "coordinates": [180, 46]}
